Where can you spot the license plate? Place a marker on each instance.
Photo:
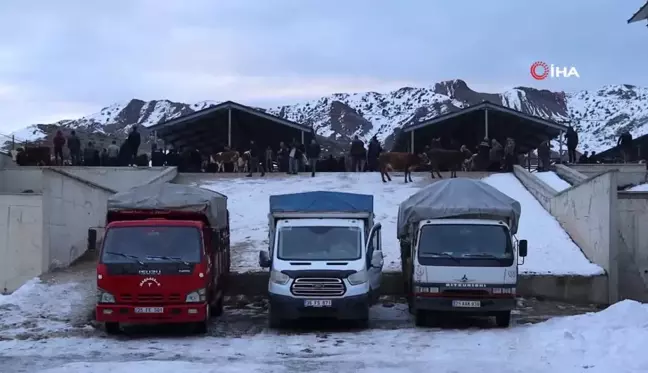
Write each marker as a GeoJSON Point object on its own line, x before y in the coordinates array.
{"type": "Point", "coordinates": [149, 310]}
{"type": "Point", "coordinates": [466, 303]}
{"type": "Point", "coordinates": [317, 303]}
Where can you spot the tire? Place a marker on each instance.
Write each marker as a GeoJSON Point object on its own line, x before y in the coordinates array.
{"type": "Point", "coordinates": [275, 321]}
{"type": "Point", "coordinates": [420, 318]}
{"type": "Point", "coordinates": [112, 328]}
{"type": "Point", "coordinates": [201, 327]}
{"type": "Point", "coordinates": [503, 319]}
{"type": "Point", "coordinates": [217, 309]}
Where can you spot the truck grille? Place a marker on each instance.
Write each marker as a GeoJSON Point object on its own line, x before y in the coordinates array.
{"type": "Point", "coordinates": [150, 298]}
{"type": "Point", "coordinates": [466, 293]}
{"type": "Point", "coordinates": [318, 287]}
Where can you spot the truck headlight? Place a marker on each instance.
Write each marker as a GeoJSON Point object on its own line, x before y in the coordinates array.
{"type": "Point", "coordinates": [279, 278]}
{"type": "Point", "coordinates": [358, 278]}
{"type": "Point", "coordinates": [104, 297]}
{"type": "Point", "coordinates": [196, 296]}
{"type": "Point", "coordinates": [426, 289]}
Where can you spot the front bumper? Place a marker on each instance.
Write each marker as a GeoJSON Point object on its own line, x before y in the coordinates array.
{"type": "Point", "coordinates": [172, 313]}
{"type": "Point", "coordinates": [488, 306]}
{"type": "Point", "coordinates": [347, 308]}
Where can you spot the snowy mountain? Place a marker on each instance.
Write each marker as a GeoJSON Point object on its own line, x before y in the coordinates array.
{"type": "Point", "coordinates": [599, 116]}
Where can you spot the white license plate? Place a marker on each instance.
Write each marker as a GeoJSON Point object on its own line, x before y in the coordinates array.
{"type": "Point", "coordinates": [466, 303]}
{"type": "Point", "coordinates": [317, 303]}
{"type": "Point", "coordinates": [149, 310]}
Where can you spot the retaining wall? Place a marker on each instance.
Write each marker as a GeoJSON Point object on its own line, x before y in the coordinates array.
{"type": "Point", "coordinates": [538, 188]}
{"type": "Point", "coordinates": [632, 208]}
{"type": "Point", "coordinates": [123, 178]}
{"type": "Point", "coordinates": [569, 174]}
{"type": "Point", "coordinates": [629, 174]}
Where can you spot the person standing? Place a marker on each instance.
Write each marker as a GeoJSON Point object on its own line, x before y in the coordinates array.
{"type": "Point", "coordinates": [625, 144]}
{"type": "Point", "coordinates": [254, 164]}
{"type": "Point", "coordinates": [373, 153]}
{"type": "Point", "coordinates": [357, 153]}
{"type": "Point", "coordinates": [59, 142]}
{"type": "Point", "coordinates": [74, 145]}
{"type": "Point", "coordinates": [313, 154]}
{"type": "Point", "coordinates": [572, 143]}
{"type": "Point", "coordinates": [134, 140]}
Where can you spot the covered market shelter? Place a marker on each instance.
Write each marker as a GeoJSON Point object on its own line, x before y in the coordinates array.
{"type": "Point", "coordinates": [230, 124]}
{"type": "Point", "coordinates": [469, 126]}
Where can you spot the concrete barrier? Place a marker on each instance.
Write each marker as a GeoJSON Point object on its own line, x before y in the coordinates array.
{"type": "Point", "coordinates": [122, 178]}
{"type": "Point", "coordinates": [629, 173]}
{"type": "Point", "coordinates": [632, 211]}
{"type": "Point", "coordinates": [569, 174]}
{"type": "Point", "coordinates": [573, 289]}
{"type": "Point", "coordinates": [538, 188]}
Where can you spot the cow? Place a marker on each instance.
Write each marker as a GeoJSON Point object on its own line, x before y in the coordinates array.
{"type": "Point", "coordinates": [226, 157]}
{"type": "Point", "coordinates": [445, 158]}
{"type": "Point", "coordinates": [398, 161]}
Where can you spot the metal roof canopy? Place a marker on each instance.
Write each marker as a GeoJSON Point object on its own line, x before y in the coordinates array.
{"type": "Point", "coordinates": [639, 146]}
{"type": "Point", "coordinates": [472, 124]}
{"type": "Point", "coordinates": [640, 15]}
{"type": "Point", "coordinates": [218, 123]}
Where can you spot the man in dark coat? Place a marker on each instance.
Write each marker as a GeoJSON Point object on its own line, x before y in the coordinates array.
{"type": "Point", "coordinates": [254, 160]}
{"type": "Point", "coordinates": [90, 155]}
{"type": "Point", "coordinates": [357, 154]}
{"type": "Point", "coordinates": [373, 153]}
{"type": "Point", "coordinates": [572, 143]}
{"type": "Point", "coordinates": [157, 156]}
{"type": "Point", "coordinates": [544, 156]}
{"type": "Point", "coordinates": [313, 154]}
{"type": "Point", "coordinates": [584, 158]}
{"type": "Point", "coordinates": [625, 144]}
{"type": "Point", "coordinates": [134, 140]}
{"type": "Point", "coordinates": [483, 151]}
{"type": "Point", "coordinates": [74, 145]}
{"type": "Point", "coordinates": [59, 141]}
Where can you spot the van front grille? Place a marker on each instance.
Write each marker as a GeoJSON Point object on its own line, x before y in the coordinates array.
{"type": "Point", "coordinates": [318, 287]}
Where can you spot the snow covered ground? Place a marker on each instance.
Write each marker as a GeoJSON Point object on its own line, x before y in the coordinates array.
{"type": "Point", "coordinates": [551, 251]}
{"type": "Point", "coordinates": [612, 340]}
{"type": "Point", "coordinates": [553, 180]}
{"type": "Point", "coordinates": [639, 188]}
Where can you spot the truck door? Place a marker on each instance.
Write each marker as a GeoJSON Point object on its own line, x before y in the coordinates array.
{"type": "Point", "coordinates": [374, 267]}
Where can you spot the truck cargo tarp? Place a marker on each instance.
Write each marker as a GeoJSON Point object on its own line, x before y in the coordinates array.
{"type": "Point", "coordinates": [460, 198]}
{"type": "Point", "coordinates": [321, 202]}
{"type": "Point", "coordinates": [165, 196]}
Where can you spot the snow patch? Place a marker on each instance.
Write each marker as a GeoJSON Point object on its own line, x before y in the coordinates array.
{"type": "Point", "coordinates": [639, 188]}
{"type": "Point", "coordinates": [553, 180]}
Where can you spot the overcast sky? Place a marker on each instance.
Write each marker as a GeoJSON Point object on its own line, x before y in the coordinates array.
{"type": "Point", "coordinates": [68, 58]}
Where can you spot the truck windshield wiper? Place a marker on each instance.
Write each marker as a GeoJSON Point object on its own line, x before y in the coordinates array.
{"type": "Point", "coordinates": [482, 255]}
{"type": "Point", "coordinates": [443, 254]}
{"type": "Point", "coordinates": [170, 258]}
{"type": "Point", "coordinates": [133, 257]}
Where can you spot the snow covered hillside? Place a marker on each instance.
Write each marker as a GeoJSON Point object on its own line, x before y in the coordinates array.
{"type": "Point", "coordinates": [599, 115]}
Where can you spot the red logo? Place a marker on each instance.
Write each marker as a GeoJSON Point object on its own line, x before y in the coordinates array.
{"type": "Point", "coordinates": [539, 70]}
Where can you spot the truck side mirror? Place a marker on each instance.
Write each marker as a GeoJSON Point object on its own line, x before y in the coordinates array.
{"type": "Point", "coordinates": [522, 248]}
{"type": "Point", "coordinates": [92, 239]}
{"type": "Point", "coordinates": [264, 259]}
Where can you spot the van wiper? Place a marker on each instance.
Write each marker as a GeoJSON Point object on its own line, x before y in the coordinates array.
{"type": "Point", "coordinates": [170, 258]}
{"type": "Point", "coordinates": [133, 257]}
{"type": "Point", "coordinates": [443, 254]}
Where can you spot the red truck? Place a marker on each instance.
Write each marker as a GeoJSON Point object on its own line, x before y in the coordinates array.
{"type": "Point", "coordinates": [165, 257]}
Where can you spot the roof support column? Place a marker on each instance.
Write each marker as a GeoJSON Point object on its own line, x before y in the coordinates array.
{"type": "Point", "coordinates": [302, 137]}
{"type": "Point", "coordinates": [560, 146]}
{"type": "Point", "coordinates": [486, 123]}
{"type": "Point", "coordinates": [412, 142]}
{"type": "Point", "coordinates": [229, 128]}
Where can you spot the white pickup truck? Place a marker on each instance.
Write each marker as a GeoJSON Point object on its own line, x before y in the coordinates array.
{"type": "Point", "coordinates": [325, 257]}
{"type": "Point", "coordinates": [458, 250]}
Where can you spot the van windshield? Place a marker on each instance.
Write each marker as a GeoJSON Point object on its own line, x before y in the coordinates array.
{"type": "Point", "coordinates": [151, 244]}
{"type": "Point", "coordinates": [465, 241]}
{"type": "Point", "coordinates": [319, 243]}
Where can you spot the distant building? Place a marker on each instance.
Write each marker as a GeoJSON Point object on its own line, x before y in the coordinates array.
{"type": "Point", "coordinates": [640, 15]}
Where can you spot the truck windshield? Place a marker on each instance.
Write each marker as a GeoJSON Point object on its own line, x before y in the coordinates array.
{"type": "Point", "coordinates": [151, 244]}
{"type": "Point", "coordinates": [465, 241]}
{"type": "Point", "coordinates": [319, 243]}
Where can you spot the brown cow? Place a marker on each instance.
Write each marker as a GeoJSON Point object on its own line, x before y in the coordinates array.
{"type": "Point", "coordinates": [398, 161]}
{"type": "Point", "coordinates": [226, 157]}
{"type": "Point", "coordinates": [445, 158]}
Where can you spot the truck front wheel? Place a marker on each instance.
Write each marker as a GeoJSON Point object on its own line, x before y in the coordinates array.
{"type": "Point", "coordinates": [420, 318]}
{"type": "Point", "coordinates": [274, 320]}
{"type": "Point", "coordinates": [503, 319]}
{"type": "Point", "coordinates": [112, 328]}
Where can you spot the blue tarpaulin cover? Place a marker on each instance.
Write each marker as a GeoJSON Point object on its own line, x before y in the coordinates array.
{"type": "Point", "coordinates": [321, 202]}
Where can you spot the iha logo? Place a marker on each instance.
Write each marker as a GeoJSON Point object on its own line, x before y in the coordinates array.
{"type": "Point", "coordinates": [541, 70]}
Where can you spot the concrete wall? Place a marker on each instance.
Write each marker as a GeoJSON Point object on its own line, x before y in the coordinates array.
{"type": "Point", "coordinates": [17, 180]}
{"type": "Point", "coordinates": [569, 174]}
{"type": "Point", "coordinates": [71, 206]}
{"type": "Point", "coordinates": [633, 244]}
{"type": "Point", "coordinates": [21, 244]}
{"type": "Point", "coordinates": [123, 178]}
{"type": "Point", "coordinates": [629, 174]}
{"type": "Point", "coordinates": [7, 161]}
{"type": "Point", "coordinates": [538, 188]}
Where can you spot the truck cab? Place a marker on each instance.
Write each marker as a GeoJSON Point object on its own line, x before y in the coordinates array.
{"type": "Point", "coordinates": [464, 265]}
{"type": "Point", "coordinates": [162, 265]}
{"type": "Point", "coordinates": [325, 257]}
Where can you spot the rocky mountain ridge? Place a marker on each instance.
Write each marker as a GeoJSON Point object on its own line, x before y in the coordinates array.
{"type": "Point", "coordinates": [598, 115]}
